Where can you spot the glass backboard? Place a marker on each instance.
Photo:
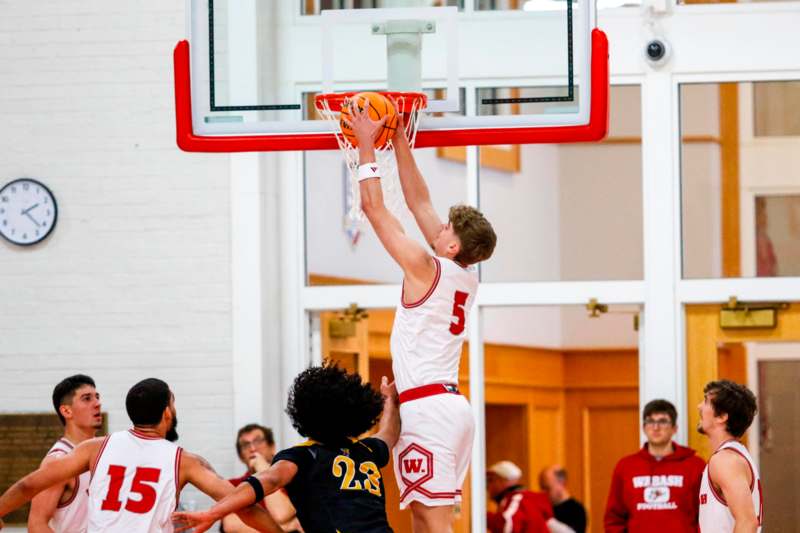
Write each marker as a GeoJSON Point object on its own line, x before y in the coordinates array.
{"type": "Point", "coordinates": [246, 77]}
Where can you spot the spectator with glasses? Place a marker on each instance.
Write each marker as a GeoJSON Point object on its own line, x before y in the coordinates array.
{"type": "Point", "coordinates": [657, 488]}
{"type": "Point", "coordinates": [255, 445]}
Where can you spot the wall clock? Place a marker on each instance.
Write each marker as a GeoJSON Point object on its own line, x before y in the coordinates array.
{"type": "Point", "coordinates": [28, 211]}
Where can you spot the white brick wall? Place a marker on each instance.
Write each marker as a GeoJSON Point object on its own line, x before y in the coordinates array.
{"type": "Point", "coordinates": [135, 280]}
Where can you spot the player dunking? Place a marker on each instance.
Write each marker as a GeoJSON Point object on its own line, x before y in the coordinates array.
{"type": "Point", "coordinates": [136, 475]}
{"type": "Point", "coordinates": [730, 491]}
{"type": "Point", "coordinates": [63, 508]}
{"type": "Point", "coordinates": [432, 455]}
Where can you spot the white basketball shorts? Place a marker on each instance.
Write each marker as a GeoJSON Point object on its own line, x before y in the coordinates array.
{"type": "Point", "coordinates": [432, 456]}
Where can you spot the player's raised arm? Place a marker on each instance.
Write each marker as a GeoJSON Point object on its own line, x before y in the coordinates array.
{"type": "Point", "coordinates": [240, 500]}
{"type": "Point", "coordinates": [412, 257]}
{"type": "Point", "coordinates": [57, 471]}
{"type": "Point", "coordinates": [415, 190]}
{"type": "Point", "coordinates": [389, 426]}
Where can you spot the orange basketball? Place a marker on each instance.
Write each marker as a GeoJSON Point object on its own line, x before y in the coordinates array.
{"type": "Point", "coordinates": [379, 106]}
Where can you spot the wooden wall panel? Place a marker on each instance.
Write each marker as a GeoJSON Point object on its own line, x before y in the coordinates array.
{"type": "Point", "coordinates": [597, 381]}
{"type": "Point", "coordinates": [507, 433]}
{"type": "Point", "coordinates": [609, 433]}
{"type": "Point", "coordinates": [732, 362]}
{"type": "Point", "coordinates": [546, 441]}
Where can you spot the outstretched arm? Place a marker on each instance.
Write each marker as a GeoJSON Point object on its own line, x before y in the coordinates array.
{"type": "Point", "coordinates": [389, 426]}
{"type": "Point", "coordinates": [59, 470]}
{"type": "Point", "coordinates": [240, 500]}
{"type": "Point", "coordinates": [415, 190]}
{"type": "Point", "coordinates": [412, 257]}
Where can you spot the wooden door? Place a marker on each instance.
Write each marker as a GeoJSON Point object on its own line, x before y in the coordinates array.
{"type": "Point", "coordinates": [715, 353]}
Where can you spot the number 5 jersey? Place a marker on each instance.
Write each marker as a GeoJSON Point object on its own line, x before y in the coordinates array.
{"type": "Point", "coordinates": [428, 334]}
{"type": "Point", "coordinates": [134, 484]}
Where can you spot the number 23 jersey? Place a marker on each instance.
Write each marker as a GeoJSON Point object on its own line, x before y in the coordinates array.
{"type": "Point", "coordinates": [134, 485]}
{"type": "Point", "coordinates": [339, 489]}
{"type": "Point", "coordinates": [428, 334]}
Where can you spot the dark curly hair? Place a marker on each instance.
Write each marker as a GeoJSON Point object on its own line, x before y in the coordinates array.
{"type": "Point", "coordinates": [737, 401]}
{"type": "Point", "coordinates": [329, 405]}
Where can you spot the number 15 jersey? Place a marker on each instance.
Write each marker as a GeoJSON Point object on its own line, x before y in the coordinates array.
{"type": "Point", "coordinates": [428, 334]}
{"type": "Point", "coordinates": [134, 485]}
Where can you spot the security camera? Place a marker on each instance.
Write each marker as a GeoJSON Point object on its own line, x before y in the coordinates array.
{"type": "Point", "coordinates": [657, 52]}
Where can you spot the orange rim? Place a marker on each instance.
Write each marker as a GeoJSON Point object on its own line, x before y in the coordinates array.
{"type": "Point", "coordinates": [408, 101]}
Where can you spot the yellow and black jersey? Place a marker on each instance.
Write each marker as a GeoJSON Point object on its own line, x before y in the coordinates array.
{"type": "Point", "coordinates": [339, 489]}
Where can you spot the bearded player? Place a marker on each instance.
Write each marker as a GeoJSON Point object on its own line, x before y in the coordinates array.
{"type": "Point", "coordinates": [136, 475]}
{"type": "Point", "coordinates": [432, 455]}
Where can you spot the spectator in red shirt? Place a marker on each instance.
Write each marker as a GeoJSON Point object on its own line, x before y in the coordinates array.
{"type": "Point", "coordinates": [518, 510]}
{"type": "Point", "coordinates": [657, 488]}
{"type": "Point", "coordinates": [255, 446]}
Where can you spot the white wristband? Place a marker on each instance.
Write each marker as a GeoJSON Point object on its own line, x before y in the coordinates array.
{"type": "Point", "coordinates": [368, 170]}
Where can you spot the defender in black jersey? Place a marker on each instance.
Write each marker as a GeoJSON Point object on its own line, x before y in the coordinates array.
{"type": "Point", "coordinates": [333, 480]}
{"type": "Point", "coordinates": [339, 488]}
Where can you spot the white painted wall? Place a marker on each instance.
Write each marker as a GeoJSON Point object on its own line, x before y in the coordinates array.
{"type": "Point", "coordinates": [329, 248]}
{"type": "Point", "coordinates": [135, 280]}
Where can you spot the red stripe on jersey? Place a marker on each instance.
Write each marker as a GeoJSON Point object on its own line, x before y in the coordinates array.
{"type": "Point", "coordinates": [427, 294]}
{"type": "Point", "coordinates": [752, 474]}
{"type": "Point", "coordinates": [74, 494]}
{"type": "Point", "coordinates": [100, 453]}
{"type": "Point", "coordinates": [178, 455]}
{"type": "Point", "coordinates": [143, 436]}
{"type": "Point", "coordinates": [720, 498]}
{"type": "Point", "coordinates": [429, 494]}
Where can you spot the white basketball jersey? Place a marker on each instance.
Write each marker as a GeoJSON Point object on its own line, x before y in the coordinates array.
{"type": "Point", "coordinates": [134, 487]}
{"type": "Point", "coordinates": [428, 334]}
{"type": "Point", "coordinates": [715, 516]}
{"type": "Point", "coordinates": [71, 516]}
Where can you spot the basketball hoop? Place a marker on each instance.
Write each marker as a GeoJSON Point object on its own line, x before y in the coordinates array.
{"type": "Point", "coordinates": [409, 104]}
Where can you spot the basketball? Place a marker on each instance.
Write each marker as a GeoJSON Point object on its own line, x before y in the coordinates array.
{"type": "Point", "coordinates": [379, 106]}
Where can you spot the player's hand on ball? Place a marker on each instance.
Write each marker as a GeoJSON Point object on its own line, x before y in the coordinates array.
{"type": "Point", "coordinates": [197, 521]}
{"type": "Point", "coordinates": [400, 132]}
{"type": "Point", "coordinates": [364, 128]}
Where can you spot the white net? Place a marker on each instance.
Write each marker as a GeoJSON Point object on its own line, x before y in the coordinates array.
{"type": "Point", "coordinates": [412, 103]}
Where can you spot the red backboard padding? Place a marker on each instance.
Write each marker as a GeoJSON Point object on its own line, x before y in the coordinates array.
{"type": "Point", "coordinates": [595, 130]}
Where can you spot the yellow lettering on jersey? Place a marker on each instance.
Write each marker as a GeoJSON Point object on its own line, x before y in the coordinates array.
{"type": "Point", "coordinates": [373, 481]}
{"type": "Point", "coordinates": [349, 472]}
